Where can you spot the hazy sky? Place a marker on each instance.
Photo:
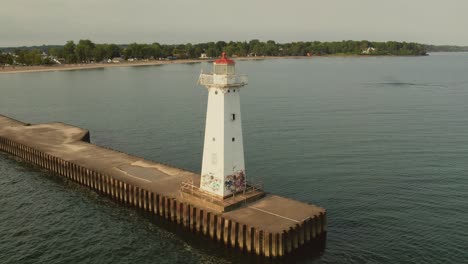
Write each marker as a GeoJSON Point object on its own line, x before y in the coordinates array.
{"type": "Point", "coordinates": [35, 22]}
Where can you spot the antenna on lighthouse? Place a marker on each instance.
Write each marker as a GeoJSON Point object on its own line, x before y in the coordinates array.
{"type": "Point", "coordinates": [223, 168]}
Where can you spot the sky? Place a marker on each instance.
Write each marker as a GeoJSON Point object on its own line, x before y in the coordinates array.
{"type": "Point", "coordinates": [37, 22]}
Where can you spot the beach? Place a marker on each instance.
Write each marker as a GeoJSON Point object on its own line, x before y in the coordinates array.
{"type": "Point", "coordinates": [87, 66]}
{"type": "Point", "coordinates": [73, 67]}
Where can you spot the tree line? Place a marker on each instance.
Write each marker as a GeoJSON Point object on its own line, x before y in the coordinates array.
{"type": "Point", "coordinates": [25, 57]}
{"type": "Point", "coordinates": [446, 48]}
{"type": "Point", "coordinates": [86, 51]}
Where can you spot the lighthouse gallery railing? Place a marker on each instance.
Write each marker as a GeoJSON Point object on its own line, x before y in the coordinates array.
{"type": "Point", "coordinates": [210, 79]}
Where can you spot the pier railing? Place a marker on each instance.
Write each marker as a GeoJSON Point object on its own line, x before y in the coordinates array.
{"type": "Point", "coordinates": [188, 186]}
{"type": "Point", "coordinates": [253, 186]}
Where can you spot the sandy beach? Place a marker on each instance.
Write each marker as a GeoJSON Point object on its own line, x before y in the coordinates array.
{"type": "Point", "coordinates": [73, 67]}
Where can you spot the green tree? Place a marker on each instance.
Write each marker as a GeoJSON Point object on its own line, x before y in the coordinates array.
{"type": "Point", "coordinates": [85, 50]}
{"type": "Point", "coordinates": [242, 48]}
{"type": "Point", "coordinates": [230, 50]}
{"type": "Point", "coordinates": [56, 52]}
{"type": "Point", "coordinates": [220, 45]}
{"type": "Point", "coordinates": [100, 52]}
{"type": "Point", "coordinates": [29, 57]}
{"type": "Point", "coordinates": [212, 50]}
{"type": "Point", "coordinates": [69, 52]}
{"type": "Point", "coordinates": [6, 59]}
{"type": "Point", "coordinates": [156, 50]}
{"type": "Point", "coordinates": [198, 50]}
{"type": "Point", "coordinates": [271, 48]}
{"type": "Point", "coordinates": [112, 51]}
{"type": "Point", "coordinates": [252, 43]}
{"type": "Point", "coordinates": [190, 51]}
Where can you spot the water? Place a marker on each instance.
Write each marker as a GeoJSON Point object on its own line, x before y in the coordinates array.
{"type": "Point", "coordinates": [382, 143]}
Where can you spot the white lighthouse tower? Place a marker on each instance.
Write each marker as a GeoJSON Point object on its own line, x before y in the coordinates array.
{"type": "Point", "coordinates": [223, 169]}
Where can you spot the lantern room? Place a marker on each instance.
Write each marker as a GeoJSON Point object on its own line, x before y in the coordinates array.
{"type": "Point", "coordinates": [223, 75]}
{"type": "Point", "coordinates": [224, 66]}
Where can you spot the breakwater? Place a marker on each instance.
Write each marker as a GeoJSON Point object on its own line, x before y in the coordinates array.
{"type": "Point", "coordinates": [258, 223]}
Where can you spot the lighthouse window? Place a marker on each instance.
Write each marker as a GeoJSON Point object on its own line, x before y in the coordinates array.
{"type": "Point", "coordinates": [229, 91]}
{"type": "Point", "coordinates": [224, 69]}
{"type": "Point", "coordinates": [233, 139]}
{"type": "Point", "coordinates": [233, 117]}
{"type": "Point", "coordinates": [220, 69]}
{"type": "Point", "coordinates": [230, 69]}
{"type": "Point", "coordinates": [216, 92]}
{"type": "Point", "coordinates": [234, 90]}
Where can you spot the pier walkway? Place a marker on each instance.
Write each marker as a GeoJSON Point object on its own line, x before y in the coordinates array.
{"type": "Point", "coordinates": [268, 225]}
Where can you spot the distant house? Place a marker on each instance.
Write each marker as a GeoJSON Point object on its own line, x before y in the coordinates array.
{"type": "Point", "coordinates": [203, 56]}
{"type": "Point", "coordinates": [117, 60]}
{"type": "Point", "coordinates": [369, 50]}
{"type": "Point", "coordinates": [57, 61]}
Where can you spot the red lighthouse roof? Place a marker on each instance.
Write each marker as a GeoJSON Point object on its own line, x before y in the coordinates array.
{"type": "Point", "coordinates": [224, 60]}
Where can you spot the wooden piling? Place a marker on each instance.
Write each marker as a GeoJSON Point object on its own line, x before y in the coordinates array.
{"type": "Point", "coordinates": [241, 237]}
{"type": "Point", "coordinates": [234, 233]}
{"type": "Point", "coordinates": [257, 242]}
{"type": "Point", "coordinates": [267, 244]}
{"type": "Point", "coordinates": [227, 231]}
{"type": "Point", "coordinates": [249, 239]}
{"type": "Point", "coordinates": [213, 222]}
{"type": "Point", "coordinates": [219, 227]}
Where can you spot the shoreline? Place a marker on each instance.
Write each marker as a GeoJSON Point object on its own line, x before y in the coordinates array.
{"type": "Point", "coordinates": [91, 66]}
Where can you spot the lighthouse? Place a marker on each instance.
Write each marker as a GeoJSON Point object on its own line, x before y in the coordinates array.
{"type": "Point", "coordinates": [223, 168]}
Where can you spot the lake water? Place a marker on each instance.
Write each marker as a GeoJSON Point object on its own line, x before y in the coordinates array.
{"type": "Point", "coordinates": [381, 142]}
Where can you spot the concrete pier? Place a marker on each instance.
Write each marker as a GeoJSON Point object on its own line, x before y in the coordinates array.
{"type": "Point", "coordinates": [262, 224]}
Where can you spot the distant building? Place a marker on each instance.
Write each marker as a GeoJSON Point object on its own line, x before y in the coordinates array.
{"type": "Point", "coordinates": [369, 50]}
{"type": "Point", "coordinates": [57, 61]}
{"type": "Point", "coordinates": [203, 56]}
{"type": "Point", "coordinates": [117, 60]}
